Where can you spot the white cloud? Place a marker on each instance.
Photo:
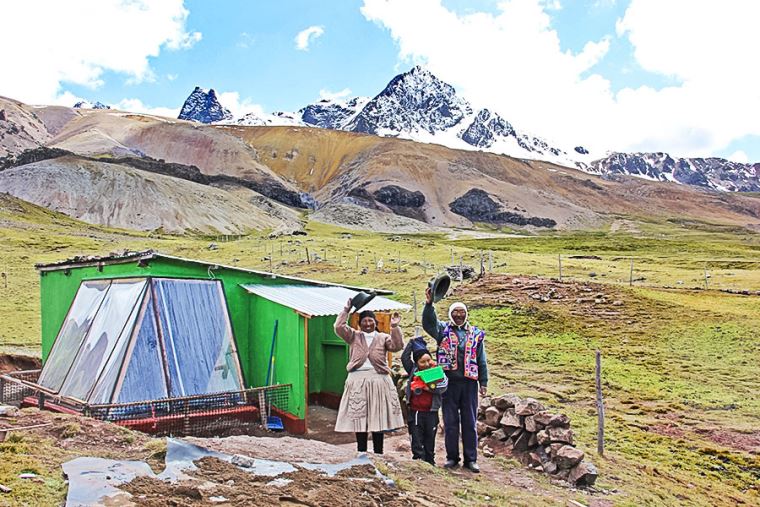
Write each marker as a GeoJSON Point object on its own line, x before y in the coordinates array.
{"type": "Point", "coordinates": [328, 95]}
{"type": "Point", "coordinates": [136, 106]}
{"type": "Point", "coordinates": [739, 156]}
{"type": "Point", "coordinates": [172, 77]}
{"type": "Point", "coordinates": [513, 62]}
{"type": "Point", "coordinates": [238, 107]}
{"type": "Point", "coordinates": [307, 36]}
{"type": "Point", "coordinates": [49, 43]}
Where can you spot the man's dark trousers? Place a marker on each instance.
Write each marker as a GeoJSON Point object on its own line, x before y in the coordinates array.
{"type": "Point", "coordinates": [460, 406]}
{"type": "Point", "coordinates": [423, 426]}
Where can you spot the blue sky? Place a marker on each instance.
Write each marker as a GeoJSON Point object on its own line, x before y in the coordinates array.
{"type": "Point", "coordinates": [249, 47]}
{"type": "Point", "coordinates": [618, 74]}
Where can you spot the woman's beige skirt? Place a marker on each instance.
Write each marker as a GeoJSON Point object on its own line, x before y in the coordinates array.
{"type": "Point", "coordinates": [369, 403]}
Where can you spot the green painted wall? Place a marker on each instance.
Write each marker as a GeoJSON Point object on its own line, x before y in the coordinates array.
{"type": "Point", "coordinates": [328, 356]}
{"type": "Point", "coordinates": [289, 360]}
{"type": "Point", "coordinates": [58, 290]}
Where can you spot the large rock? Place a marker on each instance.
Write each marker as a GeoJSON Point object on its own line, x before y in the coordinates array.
{"type": "Point", "coordinates": [505, 401]}
{"type": "Point", "coordinates": [568, 456]}
{"type": "Point", "coordinates": [499, 435]}
{"type": "Point", "coordinates": [485, 402]}
{"type": "Point", "coordinates": [528, 406]}
{"type": "Point", "coordinates": [563, 435]}
{"type": "Point", "coordinates": [492, 416]}
{"type": "Point", "coordinates": [532, 425]}
{"type": "Point", "coordinates": [543, 437]}
{"type": "Point", "coordinates": [549, 467]}
{"type": "Point", "coordinates": [510, 419]}
{"type": "Point", "coordinates": [484, 429]}
{"type": "Point", "coordinates": [550, 419]}
{"type": "Point", "coordinates": [583, 474]}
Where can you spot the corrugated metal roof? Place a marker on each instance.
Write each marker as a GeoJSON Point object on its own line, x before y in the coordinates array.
{"type": "Point", "coordinates": [319, 301]}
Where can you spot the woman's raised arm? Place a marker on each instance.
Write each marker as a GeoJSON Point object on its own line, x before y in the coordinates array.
{"type": "Point", "coordinates": [341, 324]}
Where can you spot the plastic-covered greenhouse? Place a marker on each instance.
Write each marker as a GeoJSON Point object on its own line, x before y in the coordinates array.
{"type": "Point", "coordinates": [127, 340]}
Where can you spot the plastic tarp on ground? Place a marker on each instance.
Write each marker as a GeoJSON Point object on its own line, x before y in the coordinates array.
{"type": "Point", "coordinates": [95, 481]}
{"type": "Point", "coordinates": [127, 340]}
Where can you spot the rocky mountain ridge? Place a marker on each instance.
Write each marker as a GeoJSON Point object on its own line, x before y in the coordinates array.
{"type": "Point", "coordinates": [713, 172]}
{"type": "Point", "coordinates": [203, 106]}
{"type": "Point", "coordinates": [419, 106]}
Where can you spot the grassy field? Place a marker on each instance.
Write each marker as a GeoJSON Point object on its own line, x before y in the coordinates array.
{"type": "Point", "coordinates": [680, 364]}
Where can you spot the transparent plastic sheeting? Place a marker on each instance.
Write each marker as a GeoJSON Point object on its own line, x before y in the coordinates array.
{"type": "Point", "coordinates": [144, 339]}
{"type": "Point", "coordinates": [198, 337]}
{"type": "Point", "coordinates": [144, 378]}
{"type": "Point", "coordinates": [74, 329]}
{"type": "Point", "coordinates": [95, 481]}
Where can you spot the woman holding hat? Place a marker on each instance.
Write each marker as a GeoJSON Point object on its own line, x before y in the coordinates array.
{"type": "Point", "coordinates": [369, 402]}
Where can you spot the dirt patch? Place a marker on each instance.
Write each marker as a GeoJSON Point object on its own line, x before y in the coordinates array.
{"type": "Point", "coordinates": [17, 362]}
{"type": "Point", "coordinates": [285, 448]}
{"type": "Point", "coordinates": [747, 442]}
{"type": "Point", "coordinates": [215, 479]}
{"type": "Point", "coordinates": [590, 303]}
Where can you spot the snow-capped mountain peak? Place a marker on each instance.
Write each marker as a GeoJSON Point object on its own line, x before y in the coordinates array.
{"type": "Point", "coordinates": [332, 114]}
{"type": "Point", "coordinates": [203, 106]}
{"type": "Point", "coordinates": [415, 101]}
{"type": "Point", "coordinates": [86, 104]}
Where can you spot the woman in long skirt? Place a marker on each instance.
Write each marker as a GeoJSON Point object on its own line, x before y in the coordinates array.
{"type": "Point", "coordinates": [370, 403]}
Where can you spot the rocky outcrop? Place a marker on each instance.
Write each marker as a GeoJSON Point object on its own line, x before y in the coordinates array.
{"type": "Point", "coordinates": [477, 205]}
{"type": "Point", "coordinates": [203, 106]}
{"type": "Point", "coordinates": [393, 195]}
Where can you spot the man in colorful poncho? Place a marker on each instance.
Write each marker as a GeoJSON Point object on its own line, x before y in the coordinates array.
{"type": "Point", "coordinates": [462, 354]}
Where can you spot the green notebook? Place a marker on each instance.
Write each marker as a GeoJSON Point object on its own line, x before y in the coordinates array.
{"type": "Point", "coordinates": [431, 374]}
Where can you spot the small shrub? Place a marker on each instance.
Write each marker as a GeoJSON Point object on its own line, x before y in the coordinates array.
{"type": "Point", "coordinates": [71, 430]}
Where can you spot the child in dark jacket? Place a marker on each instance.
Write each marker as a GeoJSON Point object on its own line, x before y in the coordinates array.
{"type": "Point", "coordinates": [423, 401]}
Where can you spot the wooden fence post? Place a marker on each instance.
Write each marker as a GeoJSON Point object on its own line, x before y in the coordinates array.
{"type": "Point", "coordinates": [707, 285]}
{"type": "Point", "coordinates": [308, 258]}
{"type": "Point", "coordinates": [630, 277]}
{"type": "Point", "coordinates": [599, 405]}
{"type": "Point", "coordinates": [559, 260]}
{"type": "Point", "coordinates": [490, 261]}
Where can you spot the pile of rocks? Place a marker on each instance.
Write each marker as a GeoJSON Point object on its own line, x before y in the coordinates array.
{"type": "Point", "coordinates": [539, 438]}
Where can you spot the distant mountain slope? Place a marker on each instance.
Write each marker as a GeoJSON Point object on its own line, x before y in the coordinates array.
{"type": "Point", "coordinates": [322, 168]}
{"type": "Point", "coordinates": [20, 128]}
{"type": "Point", "coordinates": [386, 173]}
{"type": "Point", "coordinates": [715, 173]}
{"type": "Point", "coordinates": [124, 197]}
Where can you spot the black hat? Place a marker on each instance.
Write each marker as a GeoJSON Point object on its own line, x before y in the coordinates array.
{"type": "Point", "coordinates": [417, 353]}
{"type": "Point", "coordinates": [440, 286]}
{"type": "Point", "coordinates": [367, 313]}
{"type": "Point", "coordinates": [361, 299]}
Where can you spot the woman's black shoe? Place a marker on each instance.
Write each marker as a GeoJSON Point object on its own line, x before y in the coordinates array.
{"type": "Point", "coordinates": [472, 467]}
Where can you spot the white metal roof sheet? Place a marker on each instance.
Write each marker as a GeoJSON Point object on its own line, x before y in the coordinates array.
{"type": "Point", "coordinates": [319, 301]}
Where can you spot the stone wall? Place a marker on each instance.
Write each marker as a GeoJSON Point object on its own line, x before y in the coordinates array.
{"type": "Point", "coordinates": [539, 438]}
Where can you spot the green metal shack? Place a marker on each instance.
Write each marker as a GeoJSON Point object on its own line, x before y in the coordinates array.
{"type": "Point", "coordinates": [308, 355]}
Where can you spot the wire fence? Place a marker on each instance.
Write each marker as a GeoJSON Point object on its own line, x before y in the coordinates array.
{"type": "Point", "coordinates": [214, 414]}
